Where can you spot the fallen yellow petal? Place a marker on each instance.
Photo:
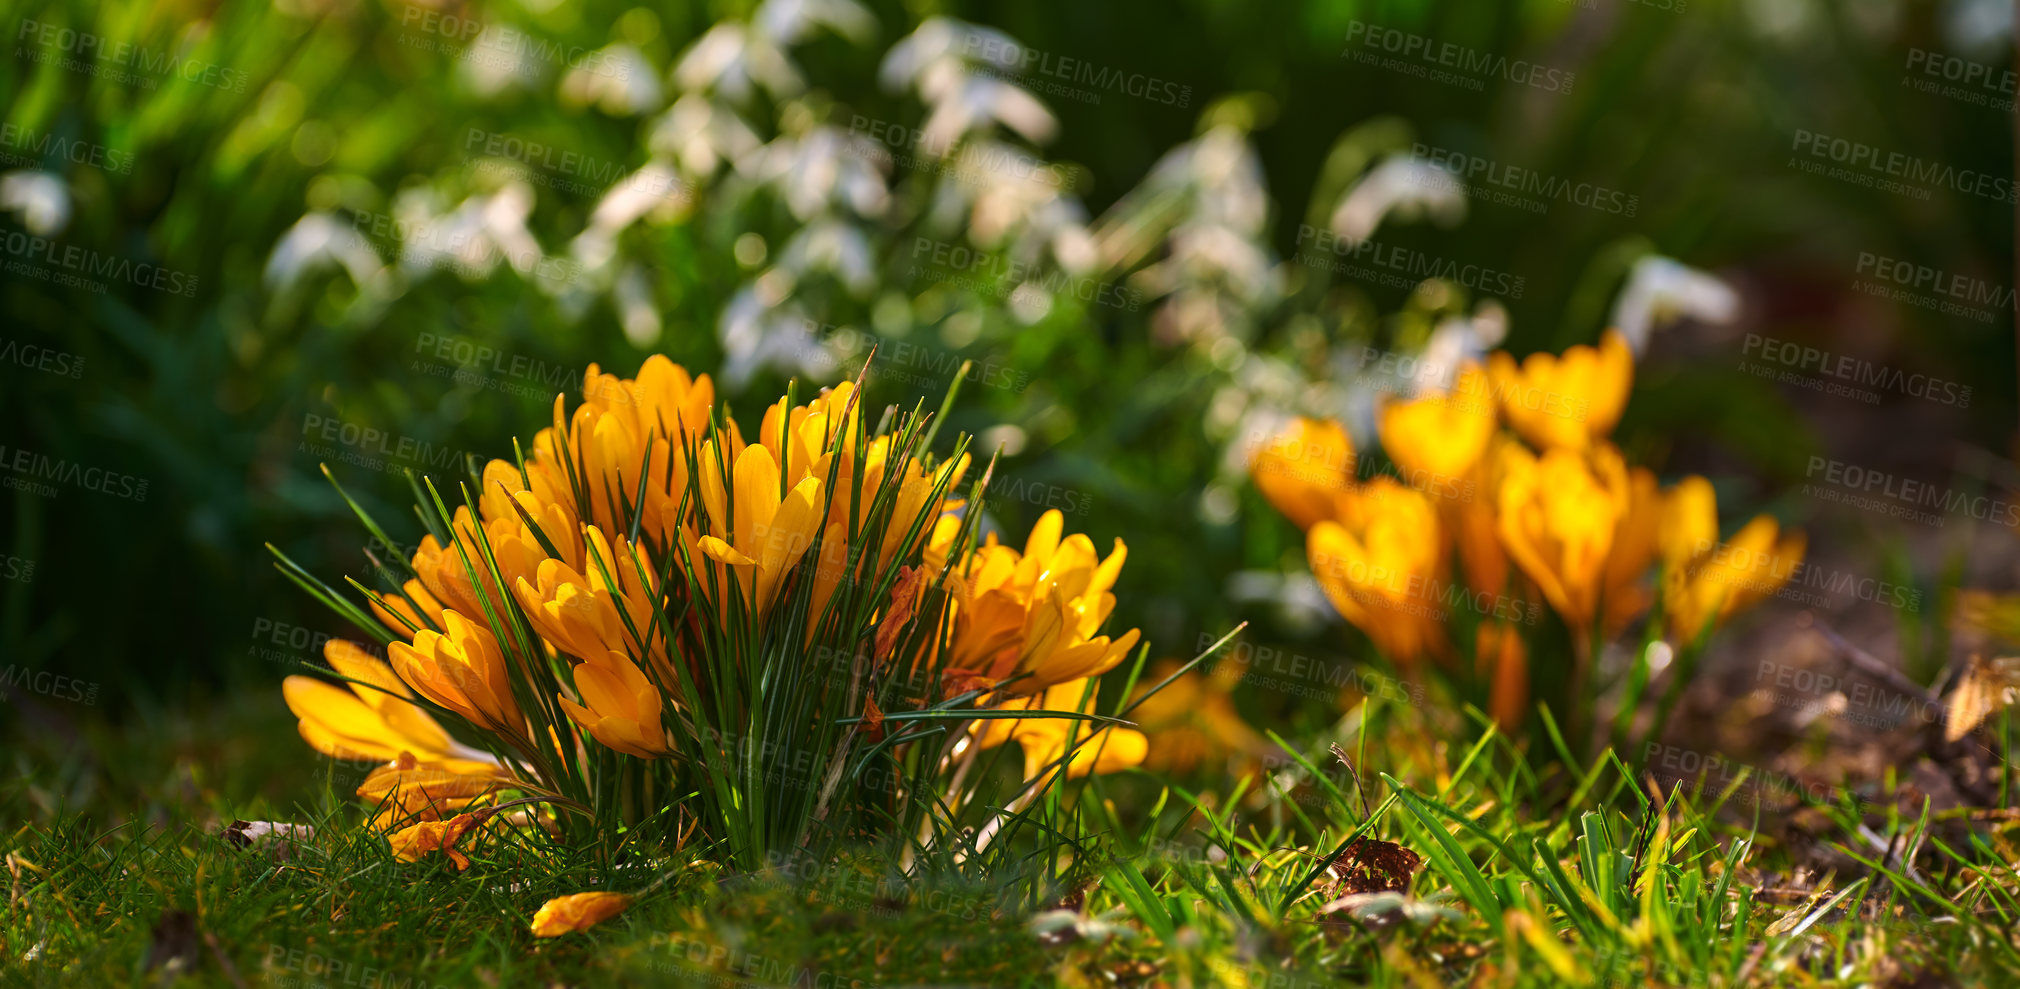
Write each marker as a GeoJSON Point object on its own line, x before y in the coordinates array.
{"type": "Point", "coordinates": [577, 912]}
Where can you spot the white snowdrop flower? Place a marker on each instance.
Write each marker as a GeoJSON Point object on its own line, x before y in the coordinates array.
{"type": "Point", "coordinates": [317, 241]}
{"type": "Point", "coordinates": [735, 61]}
{"type": "Point", "coordinates": [963, 104]}
{"type": "Point", "coordinates": [756, 335]}
{"type": "Point", "coordinates": [1661, 290]}
{"type": "Point", "coordinates": [824, 166]}
{"type": "Point", "coordinates": [497, 59]}
{"type": "Point", "coordinates": [1456, 342]}
{"type": "Point", "coordinates": [834, 247]}
{"type": "Point", "coordinates": [618, 80]}
{"type": "Point", "coordinates": [40, 197]}
{"type": "Point", "coordinates": [943, 41]}
{"type": "Point", "coordinates": [472, 238]}
{"type": "Point", "coordinates": [790, 21]}
{"type": "Point", "coordinates": [1403, 185]}
{"type": "Point", "coordinates": [702, 134]}
{"type": "Point", "coordinates": [653, 191]}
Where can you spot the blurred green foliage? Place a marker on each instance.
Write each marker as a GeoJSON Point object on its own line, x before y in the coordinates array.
{"type": "Point", "coordinates": [322, 104]}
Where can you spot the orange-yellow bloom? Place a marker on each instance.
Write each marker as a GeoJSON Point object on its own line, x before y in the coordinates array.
{"type": "Point", "coordinates": [1037, 612]}
{"type": "Point", "coordinates": [620, 707]}
{"type": "Point", "coordinates": [579, 612]}
{"type": "Point", "coordinates": [578, 912]}
{"type": "Point", "coordinates": [1726, 578]}
{"type": "Point", "coordinates": [376, 722]}
{"type": "Point", "coordinates": [1436, 439]}
{"type": "Point", "coordinates": [1565, 401]}
{"type": "Point", "coordinates": [1305, 470]}
{"type": "Point", "coordinates": [416, 840]}
{"type": "Point", "coordinates": [407, 789]}
{"type": "Point", "coordinates": [1044, 740]}
{"type": "Point", "coordinates": [757, 533]}
{"type": "Point", "coordinates": [1634, 549]}
{"type": "Point", "coordinates": [399, 614]}
{"type": "Point", "coordinates": [463, 671]}
{"type": "Point", "coordinates": [1382, 565]}
{"type": "Point", "coordinates": [1558, 514]}
{"type": "Point", "coordinates": [1502, 657]}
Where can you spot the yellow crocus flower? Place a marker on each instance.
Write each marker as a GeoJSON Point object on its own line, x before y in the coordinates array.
{"type": "Point", "coordinates": [1305, 470]}
{"type": "Point", "coordinates": [407, 789]}
{"type": "Point", "coordinates": [414, 841]}
{"type": "Point", "coordinates": [1037, 612]}
{"type": "Point", "coordinates": [1723, 579]}
{"type": "Point", "coordinates": [1558, 514]}
{"type": "Point", "coordinates": [463, 671]}
{"type": "Point", "coordinates": [579, 613]}
{"type": "Point", "coordinates": [1436, 439]}
{"type": "Point", "coordinates": [764, 535]}
{"type": "Point", "coordinates": [1502, 657]}
{"type": "Point", "coordinates": [375, 719]}
{"type": "Point", "coordinates": [1476, 522]}
{"type": "Point", "coordinates": [1634, 548]}
{"type": "Point", "coordinates": [1564, 401]}
{"type": "Point", "coordinates": [620, 707]}
{"type": "Point", "coordinates": [400, 615]}
{"type": "Point", "coordinates": [1689, 521]}
{"type": "Point", "coordinates": [1380, 564]}
{"type": "Point", "coordinates": [1100, 751]}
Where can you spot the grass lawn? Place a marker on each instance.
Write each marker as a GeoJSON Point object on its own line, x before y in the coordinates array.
{"type": "Point", "coordinates": [120, 876]}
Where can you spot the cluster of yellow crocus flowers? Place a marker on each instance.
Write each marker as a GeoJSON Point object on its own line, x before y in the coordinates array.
{"type": "Point", "coordinates": [579, 582]}
{"type": "Point", "coordinates": [1545, 508]}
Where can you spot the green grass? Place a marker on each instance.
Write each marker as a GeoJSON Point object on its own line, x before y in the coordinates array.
{"type": "Point", "coordinates": [1530, 877]}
